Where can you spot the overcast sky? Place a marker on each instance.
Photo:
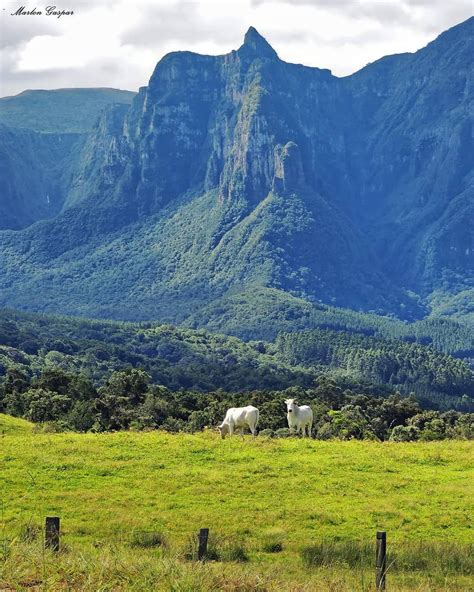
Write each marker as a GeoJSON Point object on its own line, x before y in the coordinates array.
{"type": "Point", "coordinates": [117, 43]}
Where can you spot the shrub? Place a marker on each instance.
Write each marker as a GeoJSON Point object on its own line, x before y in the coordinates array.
{"type": "Point", "coordinates": [81, 416]}
{"type": "Point", "coordinates": [198, 420]}
{"type": "Point", "coordinates": [434, 430]}
{"type": "Point", "coordinates": [325, 432]}
{"type": "Point", "coordinates": [404, 434]}
{"type": "Point", "coordinates": [267, 433]}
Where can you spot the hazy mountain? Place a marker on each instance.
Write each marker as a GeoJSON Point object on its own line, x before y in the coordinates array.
{"type": "Point", "coordinates": [234, 173]}
{"type": "Point", "coordinates": [42, 134]}
{"type": "Point", "coordinates": [66, 110]}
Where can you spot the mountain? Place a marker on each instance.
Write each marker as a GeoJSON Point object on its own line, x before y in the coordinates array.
{"type": "Point", "coordinates": [66, 110]}
{"type": "Point", "coordinates": [240, 173]}
{"type": "Point", "coordinates": [42, 134]}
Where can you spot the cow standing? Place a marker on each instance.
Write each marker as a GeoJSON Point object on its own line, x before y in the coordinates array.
{"type": "Point", "coordinates": [238, 418]}
{"type": "Point", "coordinates": [299, 418]}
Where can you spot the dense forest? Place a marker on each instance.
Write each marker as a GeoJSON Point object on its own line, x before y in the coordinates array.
{"type": "Point", "coordinates": [263, 313]}
{"type": "Point", "coordinates": [434, 377]}
{"type": "Point", "coordinates": [85, 375]}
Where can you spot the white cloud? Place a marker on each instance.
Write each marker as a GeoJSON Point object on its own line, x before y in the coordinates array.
{"type": "Point", "coordinates": [117, 42]}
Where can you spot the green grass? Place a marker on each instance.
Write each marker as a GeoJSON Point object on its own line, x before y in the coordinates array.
{"type": "Point", "coordinates": [130, 503]}
{"type": "Point", "coordinates": [14, 425]}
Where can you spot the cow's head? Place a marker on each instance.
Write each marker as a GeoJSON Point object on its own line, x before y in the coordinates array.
{"type": "Point", "coordinates": [290, 405]}
{"type": "Point", "coordinates": [223, 429]}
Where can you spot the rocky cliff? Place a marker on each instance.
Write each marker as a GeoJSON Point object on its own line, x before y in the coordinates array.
{"type": "Point", "coordinates": [240, 171]}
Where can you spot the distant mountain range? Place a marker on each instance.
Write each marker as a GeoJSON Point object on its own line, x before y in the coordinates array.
{"type": "Point", "coordinates": [245, 179]}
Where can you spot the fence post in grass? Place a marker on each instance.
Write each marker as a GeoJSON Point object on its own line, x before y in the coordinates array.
{"type": "Point", "coordinates": [51, 539]}
{"type": "Point", "coordinates": [381, 560]}
{"type": "Point", "coordinates": [203, 538]}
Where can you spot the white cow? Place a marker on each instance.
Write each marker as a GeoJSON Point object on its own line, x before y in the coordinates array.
{"type": "Point", "coordinates": [299, 418]}
{"type": "Point", "coordinates": [237, 418]}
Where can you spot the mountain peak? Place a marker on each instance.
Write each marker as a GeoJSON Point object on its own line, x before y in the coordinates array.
{"type": "Point", "coordinates": [254, 42]}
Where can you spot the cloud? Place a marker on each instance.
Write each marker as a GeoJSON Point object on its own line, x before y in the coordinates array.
{"type": "Point", "coordinates": [183, 22]}
{"type": "Point", "coordinates": [420, 13]}
{"type": "Point", "coordinates": [15, 32]}
{"type": "Point", "coordinates": [117, 43]}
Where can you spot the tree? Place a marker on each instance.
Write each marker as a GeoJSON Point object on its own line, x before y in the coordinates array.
{"type": "Point", "coordinates": [43, 405]}
{"type": "Point", "coordinates": [118, 400]}
{"type": "Point", "coordinates": [402, 433]}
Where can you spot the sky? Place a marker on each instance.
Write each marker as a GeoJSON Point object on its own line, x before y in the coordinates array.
{"type": "Point", "coordinates": [117, 43]}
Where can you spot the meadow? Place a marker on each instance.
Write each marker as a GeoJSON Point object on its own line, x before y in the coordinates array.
{"type": "Point", "coordinates": [285, 514]}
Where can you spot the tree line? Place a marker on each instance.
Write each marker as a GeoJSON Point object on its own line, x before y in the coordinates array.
{"type": "Point", "coordinates": [129, 400]}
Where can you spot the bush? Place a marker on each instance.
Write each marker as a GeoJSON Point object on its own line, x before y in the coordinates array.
{"type": "Point", "coordinates": [434, 430]}
{"type": "Point", "coordinates": [197, 421]}
{"type": "Point", "coordinates": [81, 416]}
{"type": "Point", "coordinates": [404, 434]}
{"type": "Point", "coordinates": [465, 426]}
{"type": "Point", "coordinates": [325, 432]}
{"type": "Point", "coordinates": [267, 433]}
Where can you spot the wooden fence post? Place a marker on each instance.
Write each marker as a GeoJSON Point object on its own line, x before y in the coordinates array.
{"type": "Point", "coordinates": [51, 540]}
{"type": "Point", "coordinates": [381, 560]}
{"type": "Point", "coordinates": [203, 538]}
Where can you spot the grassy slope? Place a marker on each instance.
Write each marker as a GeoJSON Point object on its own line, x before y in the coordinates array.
{"type": "Point", "coordinates": [14, 425]}
{"type": "Point", "coordinates": [105, 486]}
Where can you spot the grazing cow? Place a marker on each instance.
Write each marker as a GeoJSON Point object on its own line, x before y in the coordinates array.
{"type": "Point", "coordinates": [299, 418]}
{"type": "Point", "coordinates": [237, 418]}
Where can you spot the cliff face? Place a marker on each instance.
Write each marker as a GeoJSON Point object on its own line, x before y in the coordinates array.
{"type": "Point", "coordinates": [241, 170]}
{"type": "Point", "coordinates": [42, 134]}
{"type": "Point", "coordinates": [35, 169]}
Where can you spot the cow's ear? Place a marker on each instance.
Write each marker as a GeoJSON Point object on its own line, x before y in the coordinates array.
{"type": "Point", "coordinates": [287, 401]}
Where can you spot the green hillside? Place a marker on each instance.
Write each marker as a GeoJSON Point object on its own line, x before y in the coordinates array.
{"type": "Point", "coordinates": [262, 313]}
{"type": "Point", "coordinates": [66, 110]}
{"type": "Point", "coordinates": [283, 515]}
{"type": "Point", "coordinates": [179, 357]}
{"type": "Point", "coordinates": [14, 425]}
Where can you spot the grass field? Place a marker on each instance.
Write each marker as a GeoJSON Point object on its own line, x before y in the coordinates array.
{"type": "Point", "coordinates": [284, 514]}
{"type": "Point", "coordinates": [14, 425]}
